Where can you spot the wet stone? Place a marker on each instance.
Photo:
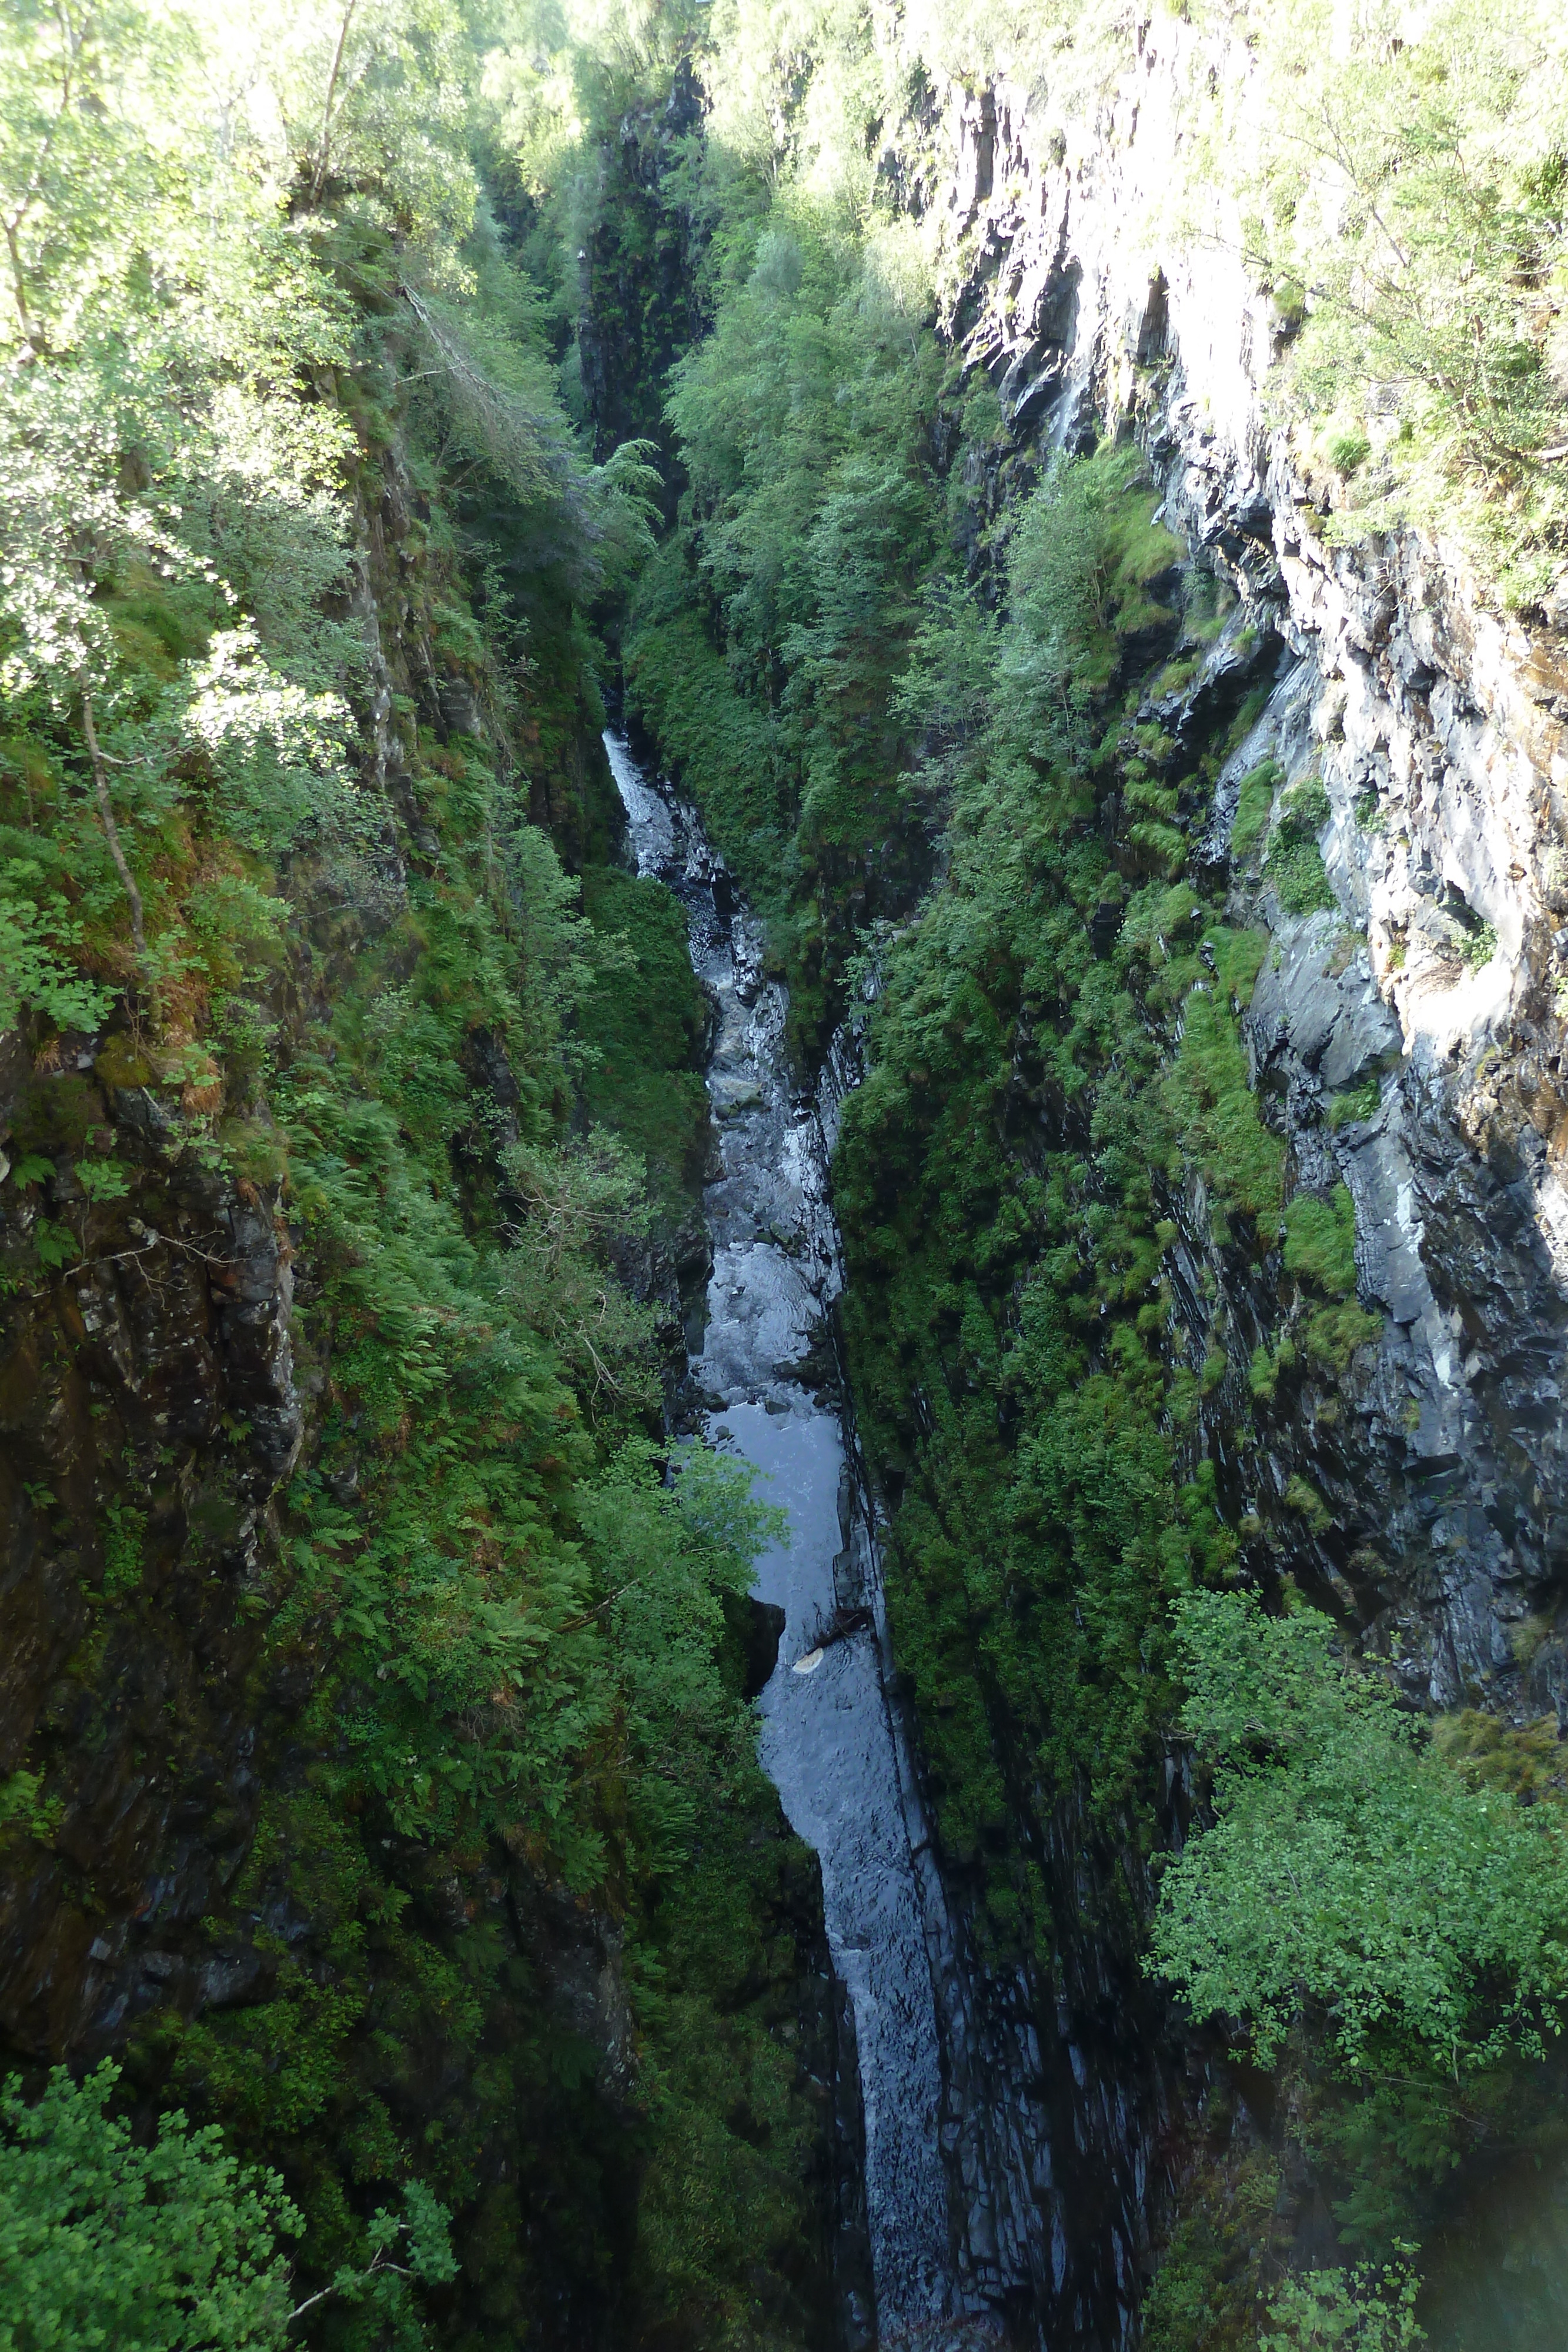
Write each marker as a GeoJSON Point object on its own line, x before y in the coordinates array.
{"type": "Point", "coordinates": [831, 1742]}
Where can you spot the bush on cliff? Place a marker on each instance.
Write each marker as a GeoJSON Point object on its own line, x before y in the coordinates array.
{"type": "Point", "coordinates": [1351, 1874]}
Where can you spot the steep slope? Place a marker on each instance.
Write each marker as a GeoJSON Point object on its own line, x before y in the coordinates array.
{"type": "Point", "coordinates": [1200, 1199]}
{"type": "Point", "coordinates": [1104, 584]}
{"type": "Point", "coordinates": [377, 1779]}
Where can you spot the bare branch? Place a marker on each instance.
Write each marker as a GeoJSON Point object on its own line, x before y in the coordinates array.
{"type": "Point", "coordinates": [378, 2262]}
{"type": "Point", "coordinates": [110, 830]}
{"type": "Point", "coordinates": [324, 153]}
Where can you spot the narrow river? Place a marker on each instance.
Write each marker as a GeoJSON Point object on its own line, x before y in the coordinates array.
{"type": "Point", "coordinates": [830, 1743]}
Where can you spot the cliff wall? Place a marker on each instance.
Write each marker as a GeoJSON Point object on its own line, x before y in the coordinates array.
{"type": "Point", "coordinates": [193, 1881]}
{"type": "Point", "coordinates": [1405, 1041]}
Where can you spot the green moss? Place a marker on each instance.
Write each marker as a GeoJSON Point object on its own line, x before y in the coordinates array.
{"type": "Point", "coordinates": [1330, 1335]}
{"type": "Point", "coordinates": [1238, 959]}
{"type": "Point", "coordinates": [1356, 1103]}
{"type": "Point", "coordinates": [59, 1113]}
{"type": "Point", "coordinates": [1518, 1761]}
{"type": "Point", "coordinates": [1208, 1092]}
{"type": "Point", "coordinates": [255, 1151]}
{"type": "Point", "coordinates": [1157, 919]}
{"type": "Point", "coordinates": [1303, 1497]}
{"type": "Point", "coordinates": [1320, 1241]}
{"type": "Point", "coordinates": [1178, 676]}
{"type": "Point", "coordinates": [1294, 863]}
{"type": "Point", "coordinates": [1255, 800]}
{"type": "Point", "coordinates": [1140, 551]}
{"type": "Point", "coordinates": [1300, 879]}
{"type": "Point", "coordinates": [1253, 706]}
{"type": "Point", "coordinates": [1266, 1366]}
{"type": "Point", "coordinates": [120, 1063]}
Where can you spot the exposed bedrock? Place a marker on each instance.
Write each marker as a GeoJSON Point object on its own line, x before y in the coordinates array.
{"type": "Point", "coordinates": [1405, 1043]}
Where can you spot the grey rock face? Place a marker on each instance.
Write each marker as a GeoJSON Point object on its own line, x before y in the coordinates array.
{"type": "Point", "coordinates": [1404, 1042]}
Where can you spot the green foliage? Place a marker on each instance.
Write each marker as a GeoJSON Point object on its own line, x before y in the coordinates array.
{"type": "Point", "coordinates": [1081, 562]}
{"type": "Point", "coordinates": [1254, 806]}
{"type": "Point", "coordinates": [1355, 1103]}
{"type": "Point", "coordinates": [103, 2242]}
{"type": "Point", "coordinates": [1207, 2293]}
{"type": "Point", "coordinates": [767, 639]}
{"type": "Point", "coordinates": [723, 749]}
{"type": "Point", "coordinates": [1349, 1875]}
{"type": "Point", "coordinates": [645, 1022]}
{"type": "Point", "coordinates": [1320, 1241]}
{"type": "Point", "coordinates": [252, 290]}
{"type": "Point", "coordinates": [125, 1530]}
{"type": "Point", "coordinates": [1208, 1092]}
{"type": "Point", "coordinates": [1330, 1335]}
{"type": "Point", "coordinates": [1416, 187]}
{"type": "Point", "coordinates": [1478, 944]}
{"type": "Point", "coordinates": [1238, 959]}
{"type": "Point", "coordinates": [25, 1811]}
{"type": "Point", "coordinates": [1371, 2308]}
{"type": "Point", "coordinates": [1399, 187]}
{"type": "Point", "coordinates": [1294, 863]}
{"type": "Point", "coordinates": [265, 312]}
{"type": "Point", "coordinates": [36, 931]}
{"type": "Point", "coordinates": [1320, 1249]}
{"type": "Point", "coordinates": [1266, 1366]}
{"type": "Point", "coordinates": [1004, 1177]}
{"type": "Point", "coordinates": [173, 2248]}
{"type": "Point", "coordinates": [725, 2219]}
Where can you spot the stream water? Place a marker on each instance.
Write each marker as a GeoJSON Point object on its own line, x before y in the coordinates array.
{"type": "Point", "coordinates": [831, 1744]}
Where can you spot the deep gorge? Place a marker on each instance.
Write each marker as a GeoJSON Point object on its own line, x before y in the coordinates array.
{"type": "Point", "coordinates": [823, 741]}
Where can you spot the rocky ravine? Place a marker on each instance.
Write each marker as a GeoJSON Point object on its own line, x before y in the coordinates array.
{"type": "Point", "coordinates": [1440, 733]}
{"type": "Point", "coordinates": [1419, 1497]}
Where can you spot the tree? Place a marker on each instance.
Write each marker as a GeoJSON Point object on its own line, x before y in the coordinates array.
{"type": "Point", "coordinates": [170, 2248]}
{"type": "Point", "coordinates": [1349, 1873]}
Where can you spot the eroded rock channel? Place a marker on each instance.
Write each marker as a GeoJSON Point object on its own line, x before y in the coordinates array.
{"type": "Point", "coordinates": [833, 1743]}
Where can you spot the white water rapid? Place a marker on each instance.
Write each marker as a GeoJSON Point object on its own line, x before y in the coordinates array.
{"type": "Point", "coordinates": [830, 1743]}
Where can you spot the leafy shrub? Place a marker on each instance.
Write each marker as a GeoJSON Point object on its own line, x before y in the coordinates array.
{"type": "Point", "coordinates": [1478, 945]}
{"type": "Point", "coordinates": [170, 2248]}
{"type": "Point", "coordinates": [1355, 1103]}
{"type": "Point", "coordinates": [1350, 1877]}
{"type": "Point", "coordinates": [1082, 554]}
{"type": "Point", "coordinates": [1300, 879]}
{"type": "Point", "coordinates": [25, 1811]}
{"type": "Point", "coordinates": [1369, 2308]}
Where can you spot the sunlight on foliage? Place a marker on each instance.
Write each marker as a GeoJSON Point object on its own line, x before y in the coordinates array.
{"type": "Point", "coordinates": [1349, 1875]}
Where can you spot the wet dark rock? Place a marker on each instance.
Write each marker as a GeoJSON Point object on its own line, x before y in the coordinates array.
{"type": "Point", "coordinates": [759, 1627]}
{"type": "Point", "coordinates": [839, 1758]}
{"type": "Point", "coordinates": [1405, 1043]}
